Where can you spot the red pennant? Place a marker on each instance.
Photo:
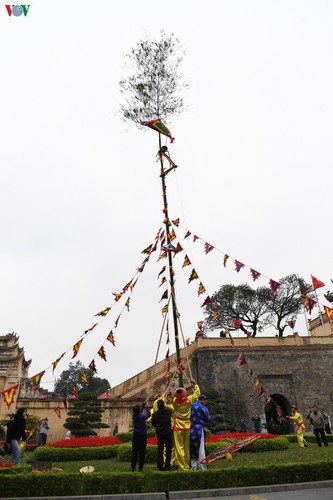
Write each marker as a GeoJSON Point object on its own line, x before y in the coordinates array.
{"type": "Point", "coordinates": [316, 283]}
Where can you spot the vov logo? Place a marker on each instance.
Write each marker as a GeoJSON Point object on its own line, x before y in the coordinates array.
{"type": "Point", "coordinates": [17, 10]}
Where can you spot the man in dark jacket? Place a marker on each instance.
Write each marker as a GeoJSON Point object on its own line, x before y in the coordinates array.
{"type": "Point", "coordinates": [161, 420]}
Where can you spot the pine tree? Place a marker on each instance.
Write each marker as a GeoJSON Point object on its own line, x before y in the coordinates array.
{"type": "Point", "coordinates": [85, 416]}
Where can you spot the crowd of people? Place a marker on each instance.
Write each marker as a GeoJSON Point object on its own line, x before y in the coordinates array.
{"type": "Point", "coordinates": [179, 420]}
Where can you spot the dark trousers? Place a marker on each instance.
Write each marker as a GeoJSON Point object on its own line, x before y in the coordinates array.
{"type": "Point", "coordinates": [322, 434]}
{"type": "Point", "coordinates": [164, 440]}
{"type": "Point", "coordinates": [138, 450]}
{"type": "Point", "coordinates": [42, 439]}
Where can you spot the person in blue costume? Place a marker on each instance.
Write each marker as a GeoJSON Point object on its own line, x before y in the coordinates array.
{"type": "Point", "coordinates": [199, 416]}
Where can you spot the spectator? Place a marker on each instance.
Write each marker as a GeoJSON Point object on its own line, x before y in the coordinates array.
{"type": "Point", "coordinates": [161, 420]}
{"type": "Point", "coordinates": [43, 428]}
{"type": "Point", "coordinates": [139, 435]}
{"type": "Point", "coordinates": [16, 433]}
{"type": "Point", "coordinates": [115, 430]}
{"type": "Point", "coordinates": [327, 422]}
{"type": "Point", "coordinates": [257, 423]}
{"type": "Point", "coordinates": [317, 422]}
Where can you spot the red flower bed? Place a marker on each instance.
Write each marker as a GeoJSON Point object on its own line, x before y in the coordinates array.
{"type": "Point", "coordinates": [5, 465]}
{"type": "Point", "coordinates": [86, 441]}
{"type": "Point", "coordinates": [237, 435]}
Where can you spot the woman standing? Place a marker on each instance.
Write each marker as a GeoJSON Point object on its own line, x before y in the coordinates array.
{"type": "Point", "coordinates": [139, 435]}
{"type": "Point", "coordinates": [16, 432]}
{"type": "Point", "coordinates": [300, 427]}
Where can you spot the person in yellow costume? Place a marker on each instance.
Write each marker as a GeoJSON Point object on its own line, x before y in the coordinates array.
{"type": "Point", "coordinates": [300, 427]}
{"type": "Point", "coordinates": [181, 427]}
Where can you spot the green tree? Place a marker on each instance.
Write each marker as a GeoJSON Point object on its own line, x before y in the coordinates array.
{"type": "Point", "coordinates": [68, 378]}
{"type": "Point", "coordinates": [151, 88]}
{"type": "Point", "coordinates": [242, 303]}
{"type": "Point", "coordinates": [287, 303]}
{"type": "Point", "coordinates": [85, 416]}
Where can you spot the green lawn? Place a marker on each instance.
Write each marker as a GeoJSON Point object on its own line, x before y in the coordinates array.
{"type": "Point", "coordinates": [293, 454]}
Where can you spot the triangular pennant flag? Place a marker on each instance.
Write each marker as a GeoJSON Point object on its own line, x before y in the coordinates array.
{"type": "Point", "coordinates": [187, 234]}
{"type": "Point", "coordinates": [163, 255]}
{"type": "Point", "coordinates": [110, 338]}
{"type": "Point", "coordinates": [175, 222]}
{"type": "Point", "coordinates": [291, 323]}
{"type": "Point", "coordinates": [133, 284]}
{"type": "Point", "coordinates": [172, 234]}
{"type": "Point", "coordinates": [117, 320]}
{"type": "Point", "coordinates": [101, 353]}
{"type": "Point", "coordinates": [216, 315]}
{"type": "Point", "coordinates": [84, 378]}
{"type": "Point", "coordinates": [274, 286]}
{"type": "Point", "coordinates": [117, 296]}
{"type": "Point", "coordinates": [208, 248]}
{"type": "Point", "coordinates": [193, 276]}
{"type": "Point", "coordinates": [65, 403]}
{"type": "Point", "coordinates": [242, 362]}
{"type": "Point", "coordinates": [76, 348]}
{"type": "Point", "coordinates": [262, 391]}
{"type": "Point", "coordinates": [207, 301]}
{"type": "Point", "coordinates": [126, 287]}
{"type": "Point", "coordinates": [161, 271]}
{"type": "Point", "coordinates": [165, 308]}
{"type": "Point", "coordinates": [36, 379]}
{"type": "Point", "coordinates": [104, 312]}
{"type": "Point", "coordinates": [250, 372]}
{"type": "Point", "coordinates": [195, 238]}
{"type": "Point", "coordinates": [231, 339]}
{"type": "Point", "coordinates": [309, 304]}
{"type": "Point", "coordinates": [55, 363]}
{"type": "Point", "coordinates": [163, 280]}
{"type": "Point", "coordinates": [237, 323]}
{"type": "Point", "coordinates": [316, 283]}
{"type": "Point", "coordinates": [256, 383]}
{"type": "Point", "coordinates": [238, 265]}
{"type": "Point", "coordinates": [179, 248]}
{"type": "Point", "coordinates": [201, 289]}
{"type": "Point", "coordinates": [74, 389]}
{"type": "Point", "coordinates": [186, 262]}
{"type": "Point", "coordinates": [225, 258]}
{"type": "Point", "coordinates": [90, 329]}
{"type": "Point", "coordinates": [127, 303]}
{"type": "Point", "coordinates": [268, 400]}
{"type": "Point", "coordinates": [8, 395]}
{"type": "Point", "coordinates": [148, 249]}
{"type": "Point", "coordinates": [159, 127]}
{"type": "Point", "coordinates": [200, 324]}
{"type": "Point", "coordinates": [255, 275]}
{"type": "Point", "coordinates": [57, 411]}
{"type": "Point", "coordinates": [92, 366]}
{"type": "Point", "coordinates": [164, 296]}
{"type": "Point", "coordinates": [329, 313]}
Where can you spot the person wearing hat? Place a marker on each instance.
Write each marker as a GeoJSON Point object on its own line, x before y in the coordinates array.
{"type": "Point", "coordinates": [300, 427]}
{"type": "Point", "coordinates": [43, 428]}
{"type": "Point", "coordinates": [199, 417]}
{"type": "Point", "coordinates": [181, 405]}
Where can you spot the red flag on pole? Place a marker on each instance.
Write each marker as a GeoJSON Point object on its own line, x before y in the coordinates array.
{"type": "Point", "coordinates": [316, 283]}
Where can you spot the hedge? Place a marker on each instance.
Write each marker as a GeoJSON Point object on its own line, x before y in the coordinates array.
{"type": "Point", "coordinates": [72, 454]}
{"type": "Point", "coordinates": [123, 451]}
{"type": "Point", "coordinates": [310, 438]}
{"type": "Point", "coordinates": [103, 483]}
{"type": "Point", "coordinates": [279, 443]}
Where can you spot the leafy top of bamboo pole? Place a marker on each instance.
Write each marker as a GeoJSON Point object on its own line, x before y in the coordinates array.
{"type": "Point", "coordinates": [153, 84]}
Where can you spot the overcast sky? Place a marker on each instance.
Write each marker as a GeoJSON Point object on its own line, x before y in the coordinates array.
{"type": "Point", "coordinates": [80, 189]}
